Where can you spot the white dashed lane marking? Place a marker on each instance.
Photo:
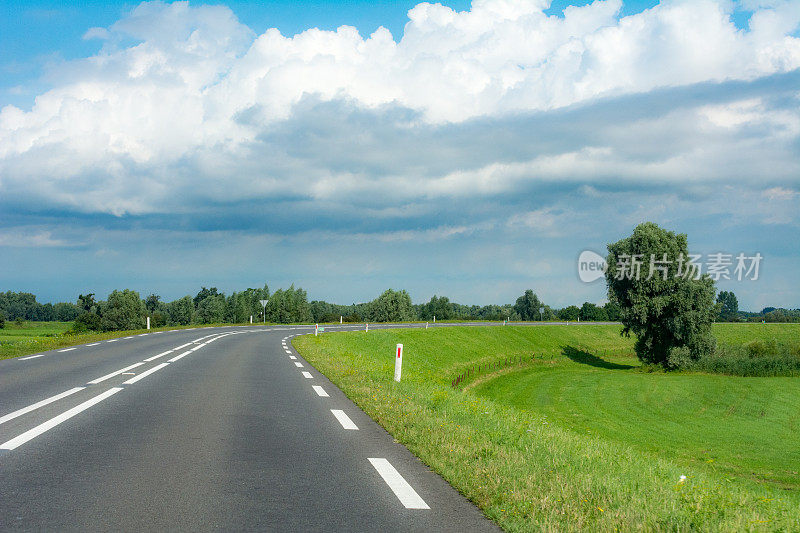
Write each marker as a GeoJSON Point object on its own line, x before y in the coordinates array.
{"type": "Point", "coordinates": [404, 492]}
{"type": "Point", "coordinates": [307, 375]}
{"type": "Point", "coordinates": [298, 364]}
{"type": "Point", "coordinates": [343, 419]}
{"type": "Point", "coordinates": [32, 407]}
{"type": "Point", "coordinates": [53, 422]}
{"type": "Point", "coordinates": [111, 375]}
{"type": "Point", "coordinates": [159, 355]}
{"type": "Point", "coordinates": [320, 391]}
{"type": "Point", "coordinates": [145, 374]}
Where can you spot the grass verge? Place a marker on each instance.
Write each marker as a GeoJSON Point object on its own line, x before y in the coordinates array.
{"type": "Point", "coordinates": [529, 470]}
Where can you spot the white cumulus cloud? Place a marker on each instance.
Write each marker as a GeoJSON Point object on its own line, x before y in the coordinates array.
{"type": "Point", "coordinates": [199, 109]}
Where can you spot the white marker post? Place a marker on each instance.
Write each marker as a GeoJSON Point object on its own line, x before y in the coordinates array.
{"type": "Point", "coordinates": [251, 319]}
{"type": "Point", "coordinates": [398, 363]}
{"type": "Point", "coordinates": [434, 319]}
{"type": "Point", "coordinates": [340, 319]}
{"type": "Point", "coordinates": [426, 325]}
{"type": "Point", "coordinates": [148, 322]}
{"type": "Point", "coordinates": [367, 327]}
{"type": "Point", "coordinates": [316, 329]}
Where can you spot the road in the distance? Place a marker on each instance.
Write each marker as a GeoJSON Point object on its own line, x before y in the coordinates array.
{"type": "Point", "coordinates": [213, 428]}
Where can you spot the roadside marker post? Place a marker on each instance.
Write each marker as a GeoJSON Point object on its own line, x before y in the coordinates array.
{"type": "Point", "coordinates": [251, 319]}
{"type": "Point", "coordinates": [316, 329]}
{"type": "Point", "coordinates": [340, 319]}
{"type": "Point", "coordinates": [367, 327]}
{"type": "Point", "coordinates": [426, 325]}
{"type": "Point", "coordinates": [434, 319]}
{"type": "Point", "coordinates": [398, 363]}
{"type": "Point", "coordinates": [148, 322]}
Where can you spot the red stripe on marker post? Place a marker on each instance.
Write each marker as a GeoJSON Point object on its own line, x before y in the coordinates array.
{"type": "Point", "coordinates": [398, 363]}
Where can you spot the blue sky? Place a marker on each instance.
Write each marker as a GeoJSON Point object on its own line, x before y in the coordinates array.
{"type": "Point", "coordinates": [474, 151]}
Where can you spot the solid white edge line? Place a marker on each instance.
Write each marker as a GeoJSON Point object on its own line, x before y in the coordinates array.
{"type": "Point", "coordinates": [343, 419]}
{"type": "Point", "coordinates": [66, 350]}
{"type": "Point", "coordinates": [53, 422]}
{"type": "Point", "coordinates": [31, 357]}
{"type": "Point", "coordinates": [34, 406]}
{"type": "Point", "coordinates": [93, 344]}
{"type": "Point", "coordinates": [145, 374]}
{"type": "Point", "coordinates": [111, 375]}
{"type": "Point", "coordinates": [181, 346]}
{"type": "Point", "coordinates": [404, 492]}
{"type": "Point", "coordinates": [307, 375]}
{"type": "Point", "coordinates": [298, 364]}
{"type": "Point", "coordinates": [184, 354]}
{"type": "Point", "coordinates": [159, 355]}
{"type": "Point", "coordinates": [320, 391]}
{"type": "Point", "coordinates": [112, 340]}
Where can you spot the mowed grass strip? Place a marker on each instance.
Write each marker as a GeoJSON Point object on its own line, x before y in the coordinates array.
{"type": "Point", "coordinates": [530, 470]}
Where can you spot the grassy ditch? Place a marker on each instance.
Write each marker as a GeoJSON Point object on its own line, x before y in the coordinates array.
{"type": "Point", "coordinates": [579, 438]}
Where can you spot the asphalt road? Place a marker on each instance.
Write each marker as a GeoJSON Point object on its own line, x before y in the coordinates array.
{"type": "Point", "coordinates": [215, 428]}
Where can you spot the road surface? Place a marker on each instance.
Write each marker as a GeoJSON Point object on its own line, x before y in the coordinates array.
{"type": "Point", "coordinates": [213, 428]}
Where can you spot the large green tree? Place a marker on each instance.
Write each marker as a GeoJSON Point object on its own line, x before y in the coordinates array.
{"type": "Point", "coordinates": [663, 301]}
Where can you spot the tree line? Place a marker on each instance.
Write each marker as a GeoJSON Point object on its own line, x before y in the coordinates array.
{"type": "Point", "coordinates": [125, 309]}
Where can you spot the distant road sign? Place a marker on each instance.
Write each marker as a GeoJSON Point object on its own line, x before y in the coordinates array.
{"type": "Point", "coordinates": [263, 303]}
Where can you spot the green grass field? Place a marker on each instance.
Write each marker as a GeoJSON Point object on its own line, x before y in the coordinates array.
{"type": "Point", "coordinates": [581, 438]}
{"type": "Point", "coordinates": [34, 337]}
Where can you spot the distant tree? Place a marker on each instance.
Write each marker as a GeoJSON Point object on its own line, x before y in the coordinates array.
{"type": "Point", "coordinates": [439, 307]}
{"type": "Point", "coordinates": [203, 294]}
{"type": "Point", "coordinates": [181, 312]}
{"type": "Point", "coordinates": [668, 310]}
{"type": "Point", "coordinates": [158, 319]}
{"type": "Point", "coordinates": [87, 321]}
{"type": "Point", "coordinates": [86, 301]}
{"type": "Point", "coordinates": [287, 306]}
{"type": "Point", "coordinates": [123, 310]}
{"type": "Point", "coordinates": [152, 302]}
{"type": "Point", "coordinates": [211, 309]}
{"type": "Point", "coordinates": [66, 312]}
{"type": "Point", "coordinates": [528, 306]}
{"type": "Point", "coordinates": [570, 313]}
{"type": "Point", "coordinates": [613, 311]}
{"type": "Point", "coordinates": [591, 313]}
{"type": "Point", "coordinates": [391, 306]}
{"type": "Point", "coordinates": [728, 306]}
{"type": "Point", "coordinates": [2, 319]}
